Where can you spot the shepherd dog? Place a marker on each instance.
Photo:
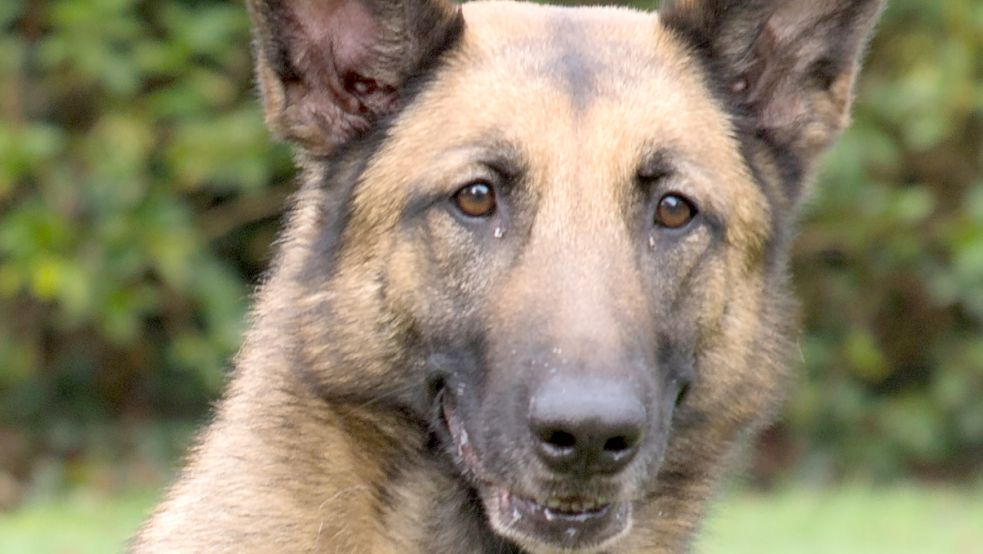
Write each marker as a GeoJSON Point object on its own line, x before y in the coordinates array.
{"type": "Point", "coordinates": [533, 292]}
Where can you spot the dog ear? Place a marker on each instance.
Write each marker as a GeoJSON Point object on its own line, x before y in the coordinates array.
{"type": "Point", "coordinates": [328, 69]}
{"type": "Point", "coordinates": [786, 67]}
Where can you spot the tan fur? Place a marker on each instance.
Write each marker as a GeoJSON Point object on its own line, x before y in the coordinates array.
{"type": "Point", "coordinates": [291, 465]}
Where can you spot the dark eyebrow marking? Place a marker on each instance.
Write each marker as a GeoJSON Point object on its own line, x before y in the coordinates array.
{"type": "Point", "coordinates": [656, 165]}
{"type": "Point", "coordinates": [575, 68]}
{"type": "Point", "coordinates": [500, 160]}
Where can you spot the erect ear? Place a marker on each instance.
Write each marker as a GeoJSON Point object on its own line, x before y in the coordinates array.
{"type": "Point", "coordinates": [787, 67]}
{"type": "Point", "coordinates": [328, 69]}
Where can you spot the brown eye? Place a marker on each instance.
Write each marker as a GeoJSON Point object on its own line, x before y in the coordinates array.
{"type": "Point", "coordinates": [674, 212]}
{"type": "Point", "coordinates": [476, 200]}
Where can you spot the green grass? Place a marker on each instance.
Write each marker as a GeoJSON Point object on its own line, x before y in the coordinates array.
{"type": "Point", "coordinates": [851, 519]}
{"type": "Point", "coordinates": [78, 523]}
{"type": "Point", "coordinates": [848, 520]}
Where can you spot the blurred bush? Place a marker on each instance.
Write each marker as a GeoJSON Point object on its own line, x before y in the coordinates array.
{"type": "Point", "coordinates": [890, 261]}
{"type": "Point", "coordinates": [139, 196]}
{"type": "Point", "coordinates": [139, 193]}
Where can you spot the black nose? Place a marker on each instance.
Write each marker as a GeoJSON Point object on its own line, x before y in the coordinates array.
{"type": "Point", "coordinates": [586, 426]}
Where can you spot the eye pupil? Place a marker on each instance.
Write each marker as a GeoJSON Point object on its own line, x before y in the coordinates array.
{"type": "Point", "coordinates": [476, 200]}
{"type": "Point", "coordinates": [674, 211]}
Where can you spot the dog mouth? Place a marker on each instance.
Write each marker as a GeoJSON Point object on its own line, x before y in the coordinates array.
{"type": "Point", "coordinates": [570, 523]}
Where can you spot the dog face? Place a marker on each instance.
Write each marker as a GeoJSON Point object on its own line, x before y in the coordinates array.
{"type": "Point", "coordinates": [567, 248]}
{"type": "Point", "coordinates": [556, 236]}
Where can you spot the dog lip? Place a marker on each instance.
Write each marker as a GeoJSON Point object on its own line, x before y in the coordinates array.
{"type": "Point", "coordinates": [459, 434]}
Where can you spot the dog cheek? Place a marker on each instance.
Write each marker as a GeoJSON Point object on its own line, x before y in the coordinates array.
{"type": "Point", "coordinates": [448, 273]}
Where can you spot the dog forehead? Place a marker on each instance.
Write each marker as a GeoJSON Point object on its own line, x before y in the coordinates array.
{"type": "Point", "coordinates": [584, 95]}
{"type": "Point", "coordinates": [575, 49]}
{"type": "Point", "coordinates": [559, 75]}
{"type": "Point", "coordinates": [496, 20]}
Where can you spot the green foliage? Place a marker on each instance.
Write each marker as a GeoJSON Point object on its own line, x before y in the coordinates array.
{"type": "Point", "coordinates": [139, 195]}
{"type": "Point", "coordinates": [134, 160]}
{"type": "Point", "coordinates": [890, 261]}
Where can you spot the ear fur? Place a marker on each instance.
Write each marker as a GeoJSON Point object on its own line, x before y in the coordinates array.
{"type": "Point", "coordinates": [328, 69]}
{"type": "Point", "coordinates": [786, 67]}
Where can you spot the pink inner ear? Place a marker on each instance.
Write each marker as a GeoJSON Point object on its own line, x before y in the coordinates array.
{"type": "Point", "coordinates": [345, 28]}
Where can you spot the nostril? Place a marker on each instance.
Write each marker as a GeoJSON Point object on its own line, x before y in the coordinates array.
{"type": "Point", "coordinates": [616, 445]}
{"type": "Point", "coordinates": [561, 440]}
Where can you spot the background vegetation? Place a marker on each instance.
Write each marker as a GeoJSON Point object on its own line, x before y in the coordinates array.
{"type": "Point", "coordinates": [139, 196]}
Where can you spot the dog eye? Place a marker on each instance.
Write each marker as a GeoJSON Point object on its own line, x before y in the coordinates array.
{"type": "Point", "coordinates": [476, 200]}
{"type": "Point", "coordinates": [674, 212]}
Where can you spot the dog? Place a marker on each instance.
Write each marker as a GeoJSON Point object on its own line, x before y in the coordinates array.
{"type": "Point", "coordinates": [532, 294]}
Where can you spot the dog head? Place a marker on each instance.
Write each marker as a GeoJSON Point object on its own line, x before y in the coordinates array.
{"type": "Point", "coordinates": [557, 236]}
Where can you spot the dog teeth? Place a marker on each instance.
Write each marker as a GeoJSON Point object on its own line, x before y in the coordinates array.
{"type": "Point", "coordinates": [571, 506]}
